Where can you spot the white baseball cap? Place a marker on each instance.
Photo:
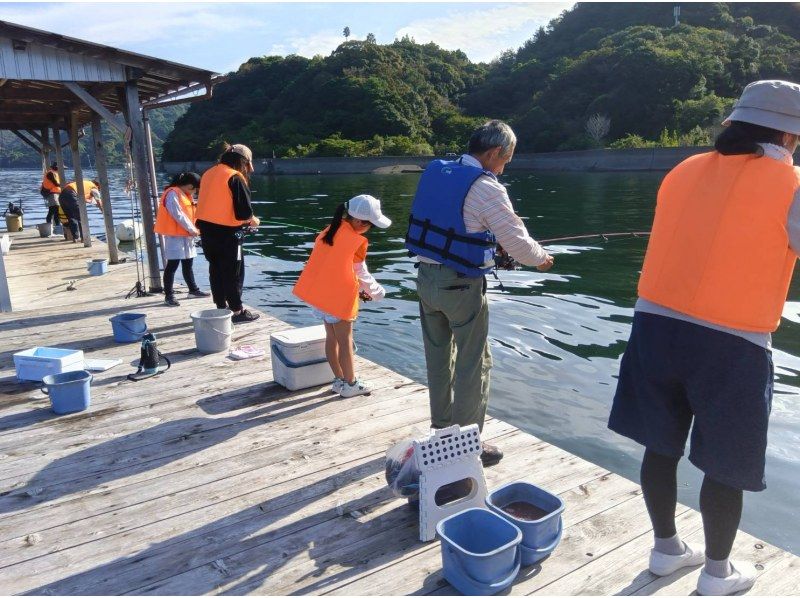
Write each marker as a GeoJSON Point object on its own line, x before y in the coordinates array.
{"type": "Point", "coordinates": [366, 207]}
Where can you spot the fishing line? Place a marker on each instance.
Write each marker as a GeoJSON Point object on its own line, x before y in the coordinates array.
{"type": "Point", "coordinates": [604, 236]}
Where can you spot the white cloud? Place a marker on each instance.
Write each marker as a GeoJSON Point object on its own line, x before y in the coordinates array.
{"type": "Point", "coordinates": [134, 24]}
{"type": "Point", "coordinates": [485, 34]}
{"type": "Point", "coordinates": [308, 44]}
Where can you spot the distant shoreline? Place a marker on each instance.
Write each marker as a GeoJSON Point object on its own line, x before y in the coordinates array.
{"type": "Point", "coordinates": [601, 160]}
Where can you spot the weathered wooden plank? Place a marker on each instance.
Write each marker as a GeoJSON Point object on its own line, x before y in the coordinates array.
{"type": "Point", "coordinates": [283, 502]}
{"type": "Point", "coordinates": [186, 454]}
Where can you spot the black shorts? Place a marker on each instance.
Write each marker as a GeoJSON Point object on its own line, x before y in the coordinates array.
{"type": "Point", "coordinates": [676, 375]}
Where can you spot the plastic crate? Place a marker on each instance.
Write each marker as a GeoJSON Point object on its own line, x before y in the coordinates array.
{"type": "Point", "coordinates": [38, 362]}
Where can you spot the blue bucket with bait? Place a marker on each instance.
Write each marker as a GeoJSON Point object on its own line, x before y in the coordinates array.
{"type": "Point", "coordinates": [128, 327]}
{"type": "Point", "coordinates": [541, 525]}
{"type": "Point", "coordinates": [480, 554]}
{"type": "Point", "coordinates": [69, 392]}
{"type": "Point", "coordinates": [97, 267]}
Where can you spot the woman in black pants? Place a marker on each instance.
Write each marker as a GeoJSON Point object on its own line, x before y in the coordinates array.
{"type": "Point", "coordinates": [223, 210]}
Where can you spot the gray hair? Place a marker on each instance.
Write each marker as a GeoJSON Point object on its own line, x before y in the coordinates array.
{"type": "Point", "coordinates": [494, 133]}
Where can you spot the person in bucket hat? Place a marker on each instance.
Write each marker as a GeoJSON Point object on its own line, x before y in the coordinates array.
{"type": "Point", "coordinates": [721, 255]}
{"type": "Point", "coordinates": [223, 211]}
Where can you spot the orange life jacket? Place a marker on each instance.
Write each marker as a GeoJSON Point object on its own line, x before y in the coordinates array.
{"type": "Point", "coordinates": [328, 281]}
{"type": "Point", "coordinates": [165, 223]}
{"type": "Point", "coordinates": [87, 189]}
{"type": "Point", "coordinates": [48, 185]}
{"type": "Point", "coordinates": [215, 201]}
{"type": "Point", "coordinates": [719, 248]}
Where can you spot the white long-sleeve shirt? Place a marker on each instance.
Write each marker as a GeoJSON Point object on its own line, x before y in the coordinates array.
{"type": "Point", "coordinates": [367, 282]}
{"type": "Point", "coordinates": [488, 207]}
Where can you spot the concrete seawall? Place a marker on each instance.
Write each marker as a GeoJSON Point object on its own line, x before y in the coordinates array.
{"type": "Point", "coordinates": [604, 160]}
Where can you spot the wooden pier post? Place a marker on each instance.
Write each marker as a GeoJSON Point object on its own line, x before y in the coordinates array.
{"type": "Point", "coordinates": [62, 177]}
{"type": "Point", "coordinates": [151, 166]}
{"type": "Point", "coordinates": [138, 150]}
{"type": "Point", "coordinates": [76, 165]}
{"type": "Point", "coordinates": [102, 175]}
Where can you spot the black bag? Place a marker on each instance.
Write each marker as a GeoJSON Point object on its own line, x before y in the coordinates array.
{"type": "Point", "coordinates": [13, 210]}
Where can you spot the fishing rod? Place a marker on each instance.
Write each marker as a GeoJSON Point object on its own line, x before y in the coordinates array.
{"type": "Point", "coordinates": [604, 236]}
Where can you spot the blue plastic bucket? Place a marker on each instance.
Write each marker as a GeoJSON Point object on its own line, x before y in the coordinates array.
{"type": "Point", "coordinates": [97, 267]}
{"type": "Point", "coordinates": [539, 536]}
{"type": "Point", "coordinates": [479, 551]}
{"type": "Point", "coordinates": [69, 392]}
{"type": "Point", "coordinates": [128, 327]}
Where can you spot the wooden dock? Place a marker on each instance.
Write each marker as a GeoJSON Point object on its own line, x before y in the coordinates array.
{"type": "Point", "coordinates": [213, 479]}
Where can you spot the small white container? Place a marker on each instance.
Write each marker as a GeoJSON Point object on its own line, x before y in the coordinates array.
{"type": "Point", "coordinates": [298, 358]}
{"type": "Point", "coordinates": [38, 362]}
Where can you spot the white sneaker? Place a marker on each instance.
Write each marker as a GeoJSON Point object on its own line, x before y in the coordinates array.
{"type": "Point", "coordinates": [742, 578]}
{"type": "Point", "coordinates": [665, 564]}
{"type": "Point", "coordinates": [337, 385]}
{"type": "Point", "coordinates": [353, 390]}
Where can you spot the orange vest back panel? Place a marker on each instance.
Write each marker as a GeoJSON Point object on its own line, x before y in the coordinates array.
{"type": "Point", "coordinates": [719, 248]}
{"type": "Point", "coordinates": [215, 201]}
{"type": "Point", "coordinates": [87, 188]}
{"type": "Point", "coordinates": [165, 223]}
{"type": "Point", "coordinates": [328, 281]}
{"type": "Point", "coordinates": [48, 185]}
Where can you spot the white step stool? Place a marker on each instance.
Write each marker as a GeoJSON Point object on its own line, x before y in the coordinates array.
{"type": "Point", "coordinates": [449, 455]}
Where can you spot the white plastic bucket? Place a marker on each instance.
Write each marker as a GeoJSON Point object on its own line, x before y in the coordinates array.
{"type": "Point", "coordinates": [212, 330]}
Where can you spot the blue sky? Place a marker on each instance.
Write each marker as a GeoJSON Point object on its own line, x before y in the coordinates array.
{"type": "Point", "coordinates": [220, 35]}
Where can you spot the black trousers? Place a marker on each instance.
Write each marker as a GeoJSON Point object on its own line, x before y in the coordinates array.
{"type": "Point", "coordinates": [69, 203]}
{"type": "Point", "coordinates": [169, 275]}
{"type": "Point", "coordinates": [225, 268]}
{"type": "Point", "coordinates": [52, 215]}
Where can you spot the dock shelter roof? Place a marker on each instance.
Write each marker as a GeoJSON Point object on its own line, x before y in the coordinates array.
{"type": "Point", "coordinates": [37, 67]}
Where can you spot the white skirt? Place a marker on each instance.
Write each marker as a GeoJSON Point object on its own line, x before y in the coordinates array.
{"type": "Point", "coordinates": [179, 248]}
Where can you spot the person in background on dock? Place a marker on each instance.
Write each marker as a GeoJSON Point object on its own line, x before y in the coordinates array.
{"type": "Point", "coordinates": [68, 200]}
{"type": "Point", "coordinates": [721, 254]}
{"type": "Point", "coordinates": [175, 222]}
{"type": "Point", "coordinates": [333, 279]}
{"type": "Point", "coordinates": [51, 187]}
{"type": "Point", "coordinates": [460, 212]}
{"type": "Point", "coordinates": [223, 210]}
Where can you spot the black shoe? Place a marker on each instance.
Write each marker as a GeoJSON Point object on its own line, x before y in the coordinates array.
{"type": "Point", "coordinates": [245, 316]}
{"type": "Point", "coordinates": [491, 455]}
{"type": "Point", "coordinates": [199, 293]}
{"type": "Point", "coordinates": [171, 301]}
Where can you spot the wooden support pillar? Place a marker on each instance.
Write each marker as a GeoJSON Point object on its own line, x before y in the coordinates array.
{"type": "Point", "coordinates": [45, 139]}
{"type": "Point", "coordinates": [139, 153]}
{"type": "Point", "coordinates": [102, 176]}
{"type": "Point", "coordinates": [59, 155]}
{"type": "Point", "coordinates": [151, 165]}
{"type": "Point", "coordinates": [78, 168]}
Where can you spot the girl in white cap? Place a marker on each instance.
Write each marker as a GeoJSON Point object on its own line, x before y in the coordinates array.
{"type": "Point", "coordinates": [333, 279]}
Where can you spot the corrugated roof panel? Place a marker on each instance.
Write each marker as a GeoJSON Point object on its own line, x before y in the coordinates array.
{"type": "Point", "coordinates": [41, 63]}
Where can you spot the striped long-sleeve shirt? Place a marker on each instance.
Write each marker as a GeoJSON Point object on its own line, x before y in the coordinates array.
{"type": "Point", "coordinates": [487, 207]}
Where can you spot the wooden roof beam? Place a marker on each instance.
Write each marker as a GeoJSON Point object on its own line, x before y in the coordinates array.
{"type": "Point", "coordinates": [96, 106]}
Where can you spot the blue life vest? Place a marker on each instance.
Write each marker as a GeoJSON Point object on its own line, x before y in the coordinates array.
{"type": "Point", "coordinates": [436, 227]}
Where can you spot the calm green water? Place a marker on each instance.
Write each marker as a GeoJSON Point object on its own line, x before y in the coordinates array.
{"type": "Point", "coordinates": [556, 338]}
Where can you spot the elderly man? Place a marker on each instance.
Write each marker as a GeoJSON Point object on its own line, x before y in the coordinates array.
{"type": "Point", "coordinates": [460, 212]}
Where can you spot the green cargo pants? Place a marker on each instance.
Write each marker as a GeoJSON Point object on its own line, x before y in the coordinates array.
{"type": "Point", "coordinates": [455, 329]}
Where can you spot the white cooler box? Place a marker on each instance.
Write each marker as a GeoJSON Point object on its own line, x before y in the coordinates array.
{"type": "Point", "coordinates": [298, 358]}
{"type": "Point", "coordinates": [36, 363]}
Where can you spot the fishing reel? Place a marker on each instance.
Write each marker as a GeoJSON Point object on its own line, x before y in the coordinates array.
{"type": "Point", "coordinates": [503, 261]}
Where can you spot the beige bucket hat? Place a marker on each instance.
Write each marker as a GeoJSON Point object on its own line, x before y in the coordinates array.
{"type": "Point", "coordinates": [771, 103]}
{"type": "Point", "coordinates": [242, 150]}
